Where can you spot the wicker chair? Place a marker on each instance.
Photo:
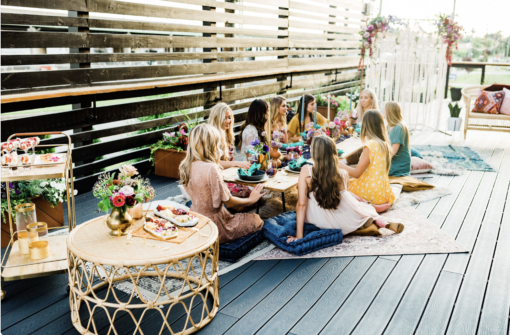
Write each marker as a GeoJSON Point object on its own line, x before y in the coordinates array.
{"type": "Point", "coordinates": [482, 121]}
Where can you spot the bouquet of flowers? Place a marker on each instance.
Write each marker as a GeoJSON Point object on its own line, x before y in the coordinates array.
{"type": "Point", "coordinates": [310, 132]}
{"type": "Point", "coordinates": [379, 24]}
{"type": "Point", "coordinates": [122, 192]}
{"type": "Point", "coordinates": [277, 138]}
{"type": "Point", "coordinates": [259, 147]}
{"type": "Point", "coordinates": [450, 31]}
{"type": "Point", "coordinates": [336, 128]}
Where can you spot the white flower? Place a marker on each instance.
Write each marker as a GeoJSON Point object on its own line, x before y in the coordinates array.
{"type": "Point", "coordinates": [332, 125]}
{"type": "Point", "coordinates": [128, 171]}
{"type": "Point", "coordinates": [127, 190]}
{"type": "Point", "coordinates": [75, 192]}
{"type": "Point", "coordinates": [44, 183]}
{"type": "Point", "coordinates": [366, 44]}
{"type": "Point", "coordinates": [367, 34]}
{"type": "Point", "coordinates": [53, 184]}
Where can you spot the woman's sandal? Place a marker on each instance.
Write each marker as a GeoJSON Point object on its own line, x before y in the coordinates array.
{"type": "Point", "coordinates": [396, 227]}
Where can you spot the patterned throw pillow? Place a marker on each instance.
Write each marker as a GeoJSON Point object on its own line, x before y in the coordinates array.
{"type": "Point", "coordinates": [488, 102]}
{"type": "Point", "coordinates": [505, 105]}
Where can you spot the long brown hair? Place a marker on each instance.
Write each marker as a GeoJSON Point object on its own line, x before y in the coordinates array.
{"type": "Point", "coordinates": [372, 128]}
{"type": "Point", "coordinates": [308, 98]}
{"type": "Point", "coordinates": [394, 117]}
{"type": "Point", "coordinates": [326, 179]}
{"type": "Point", "coordinates": [256, 116]}
{"type": "Point", "coordinates": [204, 145]}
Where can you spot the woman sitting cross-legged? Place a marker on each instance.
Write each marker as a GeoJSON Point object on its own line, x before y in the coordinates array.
{"type": "Point", "coordinates": [222, 118]}
{"type": "Point", "coordinates": [203, 181]}
{"type": "Point", "coordinates": [324, 199]}
{"type": "Point", "coordinates": [372, 182]}
{"type": "Point", "coordinates": [399, 137]}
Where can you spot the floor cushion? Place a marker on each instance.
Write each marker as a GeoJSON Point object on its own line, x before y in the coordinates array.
{"type": "Point", "coordinates": [234, 250]}
{"type": "Point", "coordinates": [419, 165]}
{"type": "Point", "coordinates": [278, 228]}
{"type": "Point", "coordinates": [415, 153]}
{"type": "Point", "coordinates": [410, 184]}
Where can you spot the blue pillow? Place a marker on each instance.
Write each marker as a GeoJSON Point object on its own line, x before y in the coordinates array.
{"type": "Point", "coordinates": [277, 229]}
{"type": "Point", "coordinates": [415, 153]}
{"type": "Point", "coordinates": [234, 250]}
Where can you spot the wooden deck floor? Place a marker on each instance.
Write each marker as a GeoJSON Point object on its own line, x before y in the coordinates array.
{"type": "Point", "coordinates": [422, 294]}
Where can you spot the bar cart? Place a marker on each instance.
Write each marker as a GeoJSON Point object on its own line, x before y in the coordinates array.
{"type": "Point", "coordinates": [16, 263]}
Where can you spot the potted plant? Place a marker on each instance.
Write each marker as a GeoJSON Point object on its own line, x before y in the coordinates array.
{"type": "Point", "coordinates": [454, 121]}
{"type": "Point", "coordinates": [455, 93]}
{"type": "Point", "coordinates": [121, 195]}
{"type": "Point", "coordinates": [47, 195]}
{"type": "Point", "coordinates": [168, 153]}
{"type": "Point", "coordinates": [322, 105]}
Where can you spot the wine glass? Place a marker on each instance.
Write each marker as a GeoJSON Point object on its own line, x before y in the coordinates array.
{"type": "Point", "coordinates": [271, 169]}
{"type": "Point", "coordinates": [253, 159]}
{"type": "Point", "coordinates": [25, 145]}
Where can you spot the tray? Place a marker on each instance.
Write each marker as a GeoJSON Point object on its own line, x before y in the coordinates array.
{"type": "Point", "coordinates": [190, 223]}
{"type": "Point", "coordinates": [61, 159]}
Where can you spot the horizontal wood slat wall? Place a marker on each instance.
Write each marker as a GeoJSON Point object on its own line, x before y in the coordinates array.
{"type": "Point", "coordinates": [280, 36]}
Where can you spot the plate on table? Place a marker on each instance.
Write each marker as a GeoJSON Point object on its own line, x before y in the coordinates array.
{"type": "Point", "coordinates": [160, 228]}
{"type": "Point", "coordinates": [256, 176]}
{"type": "Point", "coordinates": [49, 159]}
{"type": "Point", "coordinates": [289, 170]}
{"type": "Point", "coordinates": [265, 178]}
{"type": "Point", "coordinates": [178, 216]}
{"type": "Point", "coordinates": [299, 169]}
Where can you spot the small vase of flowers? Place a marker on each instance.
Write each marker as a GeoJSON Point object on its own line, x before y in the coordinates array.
{"type": "Point", "coordinates": [261, 150]}
{"type": "Point", "coordinates": [121, 194]}
{"type": "Point", "coordinates": [275, 146]}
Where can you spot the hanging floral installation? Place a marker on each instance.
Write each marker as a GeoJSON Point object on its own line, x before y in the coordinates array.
{"type": "Point", "coordinates": [450, 31]}
{"type": "Point", "coordinates": [379, 24]}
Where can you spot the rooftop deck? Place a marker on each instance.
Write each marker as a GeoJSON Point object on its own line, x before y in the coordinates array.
{"type": "Point", "coordinates": [432, 294]}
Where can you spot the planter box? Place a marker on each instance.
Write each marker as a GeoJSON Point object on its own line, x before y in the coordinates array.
{"type": "Point", "coordinates": [324, 112]}
{"type": "Point", "coordinates": [54, 217]}
{"type": "Point", "coordinates": [455, 93]}
{"type": "Point", "coordinates": [454, 123]}
{"type": "Point", "coordinates": [167, 161]}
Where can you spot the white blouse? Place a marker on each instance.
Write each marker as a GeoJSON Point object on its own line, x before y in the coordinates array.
{"type": "Point", "coordinates": [250, 133]}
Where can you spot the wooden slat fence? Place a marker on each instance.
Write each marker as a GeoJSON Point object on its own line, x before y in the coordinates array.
{"type": "Point", "coordinates": [163, 57]}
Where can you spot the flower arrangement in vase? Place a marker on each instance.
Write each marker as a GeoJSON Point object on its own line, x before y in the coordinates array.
{"type": "Point", "coordinates": [121, 194]}
{"type": "Point", "coordinates": [310, 132]}
{"type": "Point", "coordinates": [293, 153]}
{"type": "Point", "coordinates": [450, 32]}
{"type": "Point", "coordinates": [259, 152]}
{"type": "Point", "coordinates": [275, 146]}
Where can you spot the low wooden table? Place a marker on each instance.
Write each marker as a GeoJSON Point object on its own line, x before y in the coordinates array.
{"type": "Point", "coordinates": [92, 251]}
{"type": "Point", "coordinates": [284, 181]}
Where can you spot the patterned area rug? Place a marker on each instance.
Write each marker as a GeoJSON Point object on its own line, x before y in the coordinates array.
{"type": "Point", "coordinates": [419, 237]}
{"type": "Point", "coordinates": [450, 158]}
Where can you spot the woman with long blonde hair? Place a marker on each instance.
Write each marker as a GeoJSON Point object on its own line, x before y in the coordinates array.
{"type": "Point", "coordinates": [278, 116]}
{"type": "Point", "coordinates": [324, 199]}
{"type": "Point", "coordinates": [203, 181]}
{"type": "Point", "coordinates": [399, 138]}
{"type": "Point", "coordinates": [372, 182]}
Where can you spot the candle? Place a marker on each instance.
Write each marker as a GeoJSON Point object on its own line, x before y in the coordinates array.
{"type": "Point", "coordinates": [350, 102]}
{"type": "Point", "coordinates": [329, 113]}
{"type": "Point", "coordinates": [303, 109]}
{"type": "Point", "coordinates": [269, 135]}
{"type": "Point", "coordinates": [315, 116]}
{"type": "Point", "coordinates": [23, 242]}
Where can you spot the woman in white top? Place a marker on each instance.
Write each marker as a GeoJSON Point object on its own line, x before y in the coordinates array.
{"type": "Point", "coordinates": [255, 126]}
{"type": "Point", "coordinates": [324, 199]}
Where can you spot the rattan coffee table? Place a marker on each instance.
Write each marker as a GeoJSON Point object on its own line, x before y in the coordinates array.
{"type": "Point", "coordinates": [97, 260]}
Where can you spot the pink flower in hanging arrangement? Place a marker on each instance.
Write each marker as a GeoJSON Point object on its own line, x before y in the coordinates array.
{"type": "Point", "coordinates": [119, 200]}
{"type": "Point", "coordinates": [370, 28]}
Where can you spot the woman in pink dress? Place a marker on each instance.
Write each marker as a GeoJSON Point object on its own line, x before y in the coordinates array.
{"type": "Point", "coordinates": [324, 199]}
{"type": "Point", "coordinates": [203, 181]}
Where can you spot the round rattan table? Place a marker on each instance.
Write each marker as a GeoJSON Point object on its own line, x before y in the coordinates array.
{"type": "Point", "coordinates": [97, 261]}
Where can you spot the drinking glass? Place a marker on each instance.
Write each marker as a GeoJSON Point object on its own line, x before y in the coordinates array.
{"type": "Point", "coordinates": [271, 169]}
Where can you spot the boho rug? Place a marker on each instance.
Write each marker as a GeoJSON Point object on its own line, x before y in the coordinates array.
{"type": "Point", "coordinates": [419, 237]}
{"type": "Point", "coordinates": [450, 159]}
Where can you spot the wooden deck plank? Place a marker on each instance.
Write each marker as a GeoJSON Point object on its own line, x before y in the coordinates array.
{"type": "Point", "coordinates": [222, 322]}
{"type": "Point", "coordinates": [376, 318]}
{"type": "Point", "coordinates": [496, 305]}
{"type": "Point", "coordinates": [467, 308]}
{"type": "Point", "coordinates": [324, 309]}
{"type": "Point", "coordinates": [248, 299]}
{"type": "Point", "coordinates": [289, 315]}
{"type": "Point", "coordinates": [348, 316]}
{"type": "Point", "coordinates": [285, 291]}
{"type": "Point", "coordinates": [437, 314]}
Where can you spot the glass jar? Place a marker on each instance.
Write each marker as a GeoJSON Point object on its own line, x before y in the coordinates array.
{"type": "Point", "coordinates": [25, 215]}
{"type": "Point", "coordinates": [38, 240]}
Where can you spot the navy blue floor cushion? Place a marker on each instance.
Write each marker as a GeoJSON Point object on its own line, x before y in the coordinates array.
{"type": "Point", "coordinates": [277, 229]}
{"type": "Point", "coordinates": [234, 250]}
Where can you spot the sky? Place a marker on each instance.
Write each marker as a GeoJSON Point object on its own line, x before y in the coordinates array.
{"type": "Point", "coordinates": [491, 15]}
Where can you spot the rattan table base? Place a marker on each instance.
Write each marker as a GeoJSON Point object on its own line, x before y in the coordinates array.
{"type": "Point", "coordinates": [97, 260]}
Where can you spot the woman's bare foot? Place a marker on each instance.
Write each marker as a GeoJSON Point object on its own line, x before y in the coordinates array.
{"type": "Point", "coordinates": [396, 227]}
{"type": "Point", "coordinates": [381, 223]}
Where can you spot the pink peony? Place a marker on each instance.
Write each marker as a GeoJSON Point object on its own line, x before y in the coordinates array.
{"type": "Point", "coordinates": [127, 190]}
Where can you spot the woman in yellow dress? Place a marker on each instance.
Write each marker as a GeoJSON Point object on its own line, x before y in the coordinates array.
{"type": "Point", "coordinates": [296, 126]}
{"type": "Point", "coordinates": [372, 183]}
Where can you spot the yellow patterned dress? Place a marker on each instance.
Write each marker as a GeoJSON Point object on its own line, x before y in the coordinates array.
{"type": "Point", "coordinates": [374, 184]}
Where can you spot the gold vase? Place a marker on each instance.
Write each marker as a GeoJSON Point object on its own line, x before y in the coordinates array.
{"type": "Point", "coordinates": [119, 222]}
